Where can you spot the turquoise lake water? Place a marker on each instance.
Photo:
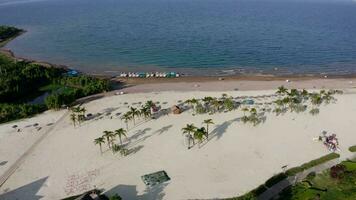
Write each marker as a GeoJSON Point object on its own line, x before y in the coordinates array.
{"type": "Point", "coordinates": [204, 37]}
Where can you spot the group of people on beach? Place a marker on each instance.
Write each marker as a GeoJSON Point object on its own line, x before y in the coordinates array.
{"type": "Point", "coordinates": [330, 141]}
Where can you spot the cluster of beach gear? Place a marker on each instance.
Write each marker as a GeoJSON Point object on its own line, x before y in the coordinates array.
{"type": "Point", "coordinates": [149, 75]}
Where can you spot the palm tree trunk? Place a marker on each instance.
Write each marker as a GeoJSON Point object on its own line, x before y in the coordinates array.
{"type": "Point", "coordinates": [207, 131]}
{"type": "Point", "coordinates": [120, 140]}
{"type": "Point", "coordinates": [108, 140]}
{"type": "Point", "coordinates": [188, 143]}
{"type": "Point", "coordinates": [101, 150]}
{"type": "Point", "coordinates": [192, 139]}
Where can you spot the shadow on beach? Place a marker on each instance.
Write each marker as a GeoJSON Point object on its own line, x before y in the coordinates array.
{"type": "Point", "coordinates": [27, 191]}
{"type": "Point", "coordinates": [130, 192]}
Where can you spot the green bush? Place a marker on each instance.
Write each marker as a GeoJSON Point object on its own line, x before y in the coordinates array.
{"type": "Point", "coordinates": [352, 149]}
{"type": "Point", "coordinates": [115, 197]}
{"type": "Point", "coordinates": [293, 171]}
{"type": "Point", "coordinates": [7, 32]}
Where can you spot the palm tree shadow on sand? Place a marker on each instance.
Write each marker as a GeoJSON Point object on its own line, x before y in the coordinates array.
{"type": "Point", "coordinates": [130, 192]}
{"type": "Point", "coordinates": [163, 129]}
{"type": "Point", "coordinates": [27, 191]}
{"type": "Point", "coordinates": [221, 129]}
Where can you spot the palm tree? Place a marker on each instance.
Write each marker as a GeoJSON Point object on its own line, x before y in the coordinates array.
{"type": "Point", "coordinates": [73, 118]}
{"type": "Point", "coordinates": [277, 110]}
{"type": "Point", "coordinates": [207, 100]}
{"type": "Point", "coordinates": [134, 112]}
{"type": "Point", "coordinates": [316, 99]}
{"type": "Point", "coordinates": [83, 110]}
{"type": "Point", "coordinates": [108, 135]}
{"type": "Point", "coordinates": [253, 111]}
{"type": "Point", "coordinates": [126, 117]}
{"type": "Point", "coordinates": [286, 100]}
{"type": "Point", "coordinates": [305, 94]}
{"type": "Point", "coordinates": [76, 109]}
{"type": "Point", "coordinates": [314, 111]}
{"type": "Point", "coordinates": [190, 128]}
{"type": "Point", "coordinates": [279, 103]}
{"type": "Point", "coordinates": [216, 104]}
{"type": "Point", "coordinates": [228, 104]}
{"type": "Point", "coordinates": [293, 92]}
{"type": "Point", "coordinates": [207, 122]}
{"type": "Point", "coordinates": [282, 90]}
{"type": "Point", "coordinates": [199, 134]}
{"type": "Point", "coordinates": [112, 140]}
{"type": "Point", "coordinates": [224, 96]}
{"type": "Point", "coordinates": [244, 109]}
{"type": "Point", "coordinates": [99, 141]}
{"type": "Point", "coordinates": [149, 104]}
{"type": "Point", "coordinates": [188, 101]}
{"type": "Point", "coordinates": [194, 103]}
{"type": "Point", "coordinates": [327, 97]}
{"type": "Point", "coordinates": [120, 132]}
{"type": "Point", "coordinates": [145, 111]}
{"type": "Point", "coordinates": [80, 118]}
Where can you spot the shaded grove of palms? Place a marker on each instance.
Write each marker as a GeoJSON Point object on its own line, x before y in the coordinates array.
{"type": "Point", "coordinates": [285, 100]}
{"type": "Point", "coordinates": [109, 137]}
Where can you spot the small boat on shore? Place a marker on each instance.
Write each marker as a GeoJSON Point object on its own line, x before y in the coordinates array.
{"type": "Point", "coordinates": [149, 75]}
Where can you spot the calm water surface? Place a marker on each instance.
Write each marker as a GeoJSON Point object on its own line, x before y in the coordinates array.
{"type": "Point", "coordinates": [195, 36]}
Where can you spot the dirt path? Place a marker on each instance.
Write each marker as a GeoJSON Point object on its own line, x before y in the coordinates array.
{"type": "Point", "coordinates": [4, 177]}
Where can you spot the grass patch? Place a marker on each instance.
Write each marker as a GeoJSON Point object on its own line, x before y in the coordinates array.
{"type": "Point", "coordinates": [50, 88]}
{"type": "Point", "coordinates": [350, 165]}
{"type": "Point", "coordinates": [352, 149]}
{"type": "Point", "coordinates": [293, 171]}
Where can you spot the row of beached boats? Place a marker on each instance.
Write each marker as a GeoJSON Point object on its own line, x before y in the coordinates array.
{"type": "Point", "coordinates": [149, 75]}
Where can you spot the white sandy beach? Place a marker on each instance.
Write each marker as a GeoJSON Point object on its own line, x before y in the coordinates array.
{"type": "Point", "coordinates": [238, 157]}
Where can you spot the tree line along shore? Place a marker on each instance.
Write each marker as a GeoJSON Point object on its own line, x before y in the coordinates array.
{"type": "Point", "coordinates": [22, 81]}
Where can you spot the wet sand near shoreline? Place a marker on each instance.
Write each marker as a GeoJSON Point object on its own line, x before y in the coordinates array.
{"type": "Point", "coordinates": [231, 83]}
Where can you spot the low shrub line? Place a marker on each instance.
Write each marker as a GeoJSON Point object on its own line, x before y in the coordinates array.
{"type": "Point", "coordinates": [293, 171]}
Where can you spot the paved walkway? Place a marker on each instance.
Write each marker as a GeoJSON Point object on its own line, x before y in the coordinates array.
{"type": "Point", "coordinates": [4, 177]}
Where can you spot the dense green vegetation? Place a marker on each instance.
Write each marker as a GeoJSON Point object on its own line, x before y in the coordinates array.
{"type": "Point", "coordinates": [10, 112]}
{"type": "Point", "coordinates": [22, 81]}
{"type": "Point", "coordinates": [352, 149]}
{"type": "Point", "coordinates": [7, 32]}
{"type": "Point", "coordinates": [337, 182]}
{"type": "Point", "coordinates": [68, 89]}
{"type": "Point", "coordinates": [252, 195]}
